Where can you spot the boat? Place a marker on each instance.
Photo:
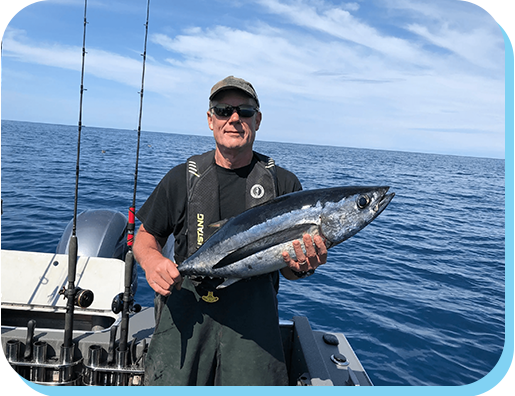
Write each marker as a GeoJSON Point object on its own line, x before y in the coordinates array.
{"type": "Point", "coordinates": [34, 311]}
{"type": "Point", "coordinates": [67, 317]}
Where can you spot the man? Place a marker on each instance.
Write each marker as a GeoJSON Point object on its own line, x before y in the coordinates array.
{"type": "Point", "coordinates": [206, 336]}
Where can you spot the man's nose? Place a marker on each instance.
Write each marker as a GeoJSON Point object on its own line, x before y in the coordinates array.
{"type": "Point", "coordinates": [235, 117]}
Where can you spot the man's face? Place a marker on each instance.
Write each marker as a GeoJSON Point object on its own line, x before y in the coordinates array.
{"type": "Point", "coordinates": [234, 132]}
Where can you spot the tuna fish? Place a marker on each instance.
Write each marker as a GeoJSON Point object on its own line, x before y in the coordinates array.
{"type": "Point", "coordinates": [252, 243]}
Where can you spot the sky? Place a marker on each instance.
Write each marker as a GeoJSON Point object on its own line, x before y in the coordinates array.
{"type": "Point", "coordinates": [407, 75]}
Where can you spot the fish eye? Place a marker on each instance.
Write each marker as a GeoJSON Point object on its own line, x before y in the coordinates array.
{"type": "Point", "coordinates": [363, 201]}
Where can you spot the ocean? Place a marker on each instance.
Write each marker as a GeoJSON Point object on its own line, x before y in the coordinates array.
{"type": "Point", "coordinates": [419, 293]}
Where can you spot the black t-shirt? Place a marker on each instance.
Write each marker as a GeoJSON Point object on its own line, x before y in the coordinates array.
{"type": "Point", "coordinates": [164, 212]}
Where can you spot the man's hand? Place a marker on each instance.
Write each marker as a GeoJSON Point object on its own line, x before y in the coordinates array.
{"type": "Point", "coordinates": [161, 273]}
{"type": "Point", "coordinates": [314, 256]}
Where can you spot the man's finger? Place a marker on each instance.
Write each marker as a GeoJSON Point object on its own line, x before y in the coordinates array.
{"type": "Point", "coordinates": [302, 263]}
{"type": "Point", "coordinates": [322, 249]}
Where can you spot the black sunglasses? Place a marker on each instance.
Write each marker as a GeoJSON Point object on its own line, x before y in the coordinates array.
{"type": "Point", "coordinates": [225, 110]}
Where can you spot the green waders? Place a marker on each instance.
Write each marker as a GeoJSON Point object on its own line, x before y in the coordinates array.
{"type": "Point", "coordinates": [224, 337]}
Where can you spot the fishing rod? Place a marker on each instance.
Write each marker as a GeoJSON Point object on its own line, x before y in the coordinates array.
{"type": "Point", "coordinates": [74, 295]}
{"type": "Point", "coordinates": [129, 258]}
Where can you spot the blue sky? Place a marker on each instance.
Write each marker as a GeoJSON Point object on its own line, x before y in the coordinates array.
{"type": "Point", "coordinates": [409, 75]}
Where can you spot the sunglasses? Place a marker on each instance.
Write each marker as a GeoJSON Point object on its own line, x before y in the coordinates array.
{"type": "Point", "coordinates": [225, 110]}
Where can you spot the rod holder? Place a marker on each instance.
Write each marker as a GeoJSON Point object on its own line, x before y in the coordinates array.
{"type": "Point", "coordinates": [66, 372]}
{"type": "Point", "coordinates": [13, 350]}
{"type": "Point", "coordinates": [94, 354]}
{"type": "Point", "coordinates": [121, 363]}
{"type": "Point", "coordinates": [38, 373]}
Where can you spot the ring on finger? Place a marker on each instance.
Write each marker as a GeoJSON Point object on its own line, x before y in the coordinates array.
{"type": "Point", "coordinates": [302, 262]}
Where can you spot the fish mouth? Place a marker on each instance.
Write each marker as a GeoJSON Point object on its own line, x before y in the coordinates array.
{"type": "Point", "coordinates": [383, 203]}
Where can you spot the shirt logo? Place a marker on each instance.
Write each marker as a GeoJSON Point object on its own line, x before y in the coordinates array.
{"type": "Point", "coordinates": [210, 298]}
{"type": "Point", "coordinates": [257, 191]}
{"type": "Point", "coordinates": [200, 229]}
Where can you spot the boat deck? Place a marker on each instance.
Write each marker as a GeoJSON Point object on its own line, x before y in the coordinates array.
{"type": "Point", "coordinates": [33, 323]}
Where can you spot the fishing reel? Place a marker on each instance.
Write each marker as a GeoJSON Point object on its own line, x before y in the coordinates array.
{"type": "Point", "coordinates": [82, 298]}
{"type": "Point", "coordinates": [117, 304]}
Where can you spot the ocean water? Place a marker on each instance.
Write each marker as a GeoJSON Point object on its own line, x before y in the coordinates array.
{"type": "Point", "coordinates": [419, 293]}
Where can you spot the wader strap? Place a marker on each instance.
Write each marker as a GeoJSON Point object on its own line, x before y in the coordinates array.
{"type": "Point", "coordinates": [203, 199]}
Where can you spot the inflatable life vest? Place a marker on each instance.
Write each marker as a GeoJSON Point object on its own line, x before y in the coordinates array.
{"type": "Point", "coordinates": [203, 194]}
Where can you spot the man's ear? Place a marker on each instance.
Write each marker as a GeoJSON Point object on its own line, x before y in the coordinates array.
{"type": "Point", "coordinates": [259, 117]}
{"type": "Point", "coordinates": [210, 120]}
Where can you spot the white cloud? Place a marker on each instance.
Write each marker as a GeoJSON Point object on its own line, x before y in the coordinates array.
{"type": "Point", "coordinates": [99, 63]}
{"type": "Point", "coordinates": [15, 45]}
{"type": "Point", "coordinates": [339, 72]}
{"type": "Point", "coordinates": [341, 24]}
{"type": "Point", "coordinates": [458, 26]}
{"type": "Point", "coordinates": [265, 52]}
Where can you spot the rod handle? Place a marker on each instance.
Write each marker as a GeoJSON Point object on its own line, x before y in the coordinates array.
{"type": "Point", "coordinates": [112, 340]}
{"type": "Point", "coordinates": [72, 258]}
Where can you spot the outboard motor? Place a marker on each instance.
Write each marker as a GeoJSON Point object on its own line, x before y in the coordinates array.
{"type": "Point", "coordinates": [101, 233]}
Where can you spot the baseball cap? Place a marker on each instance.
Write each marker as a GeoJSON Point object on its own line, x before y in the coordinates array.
{"type": "Point", "coordinates": [232, 82]}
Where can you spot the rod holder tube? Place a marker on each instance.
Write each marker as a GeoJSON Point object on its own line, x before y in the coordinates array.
{"type": "Point", "coordinates": [66, 373]}
{"type": "Point", "coordinates": [94, 354]}
{"type": "Point", "coordinates": [40, 351]}
{"type": "Point", "coordinates": [38, 373]}
{"type": "Point", "coordinates": [121, 363]}
{"type": "Point", "coordinates": [13, 351]}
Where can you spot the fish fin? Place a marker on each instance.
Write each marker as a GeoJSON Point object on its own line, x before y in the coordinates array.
{"type": "Point", "coordinates": [228, 282]}
{"type": "Point", "coordinates": [218, 224]}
